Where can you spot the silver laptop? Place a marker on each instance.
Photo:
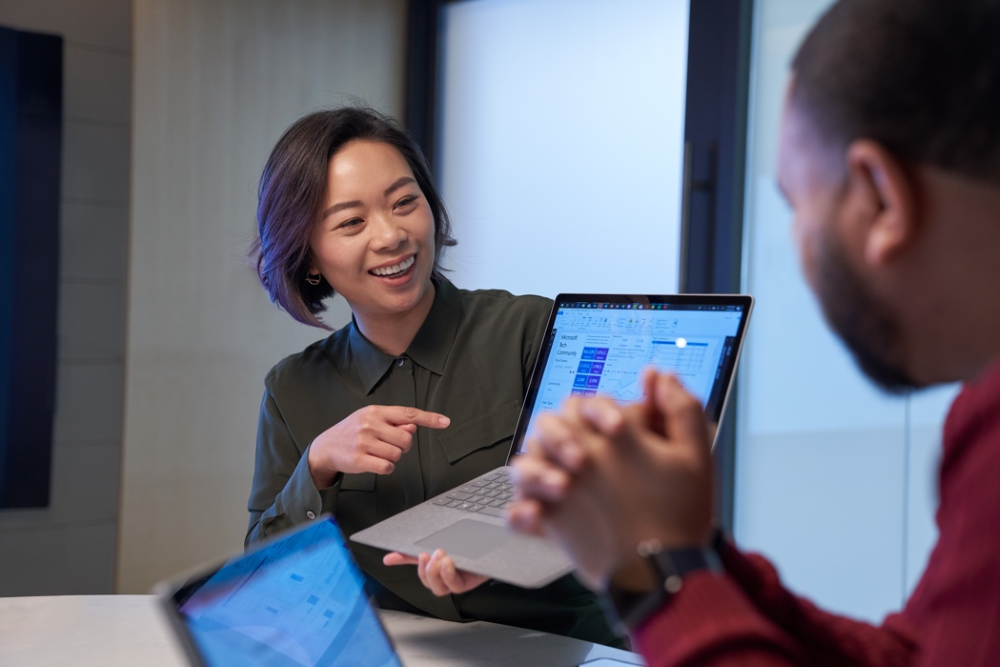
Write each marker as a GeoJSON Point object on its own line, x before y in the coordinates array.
{"type": "Point", "coordinates": [596, 344]}
{"type": "Point", "coordinates": [297, 599]}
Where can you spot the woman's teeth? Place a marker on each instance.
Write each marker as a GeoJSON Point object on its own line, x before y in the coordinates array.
{"type": "Point", "coordinates": [395, 270]}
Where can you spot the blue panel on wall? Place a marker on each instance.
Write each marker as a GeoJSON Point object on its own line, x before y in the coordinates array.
{"type": "Point", "coordinates": [30, 151]}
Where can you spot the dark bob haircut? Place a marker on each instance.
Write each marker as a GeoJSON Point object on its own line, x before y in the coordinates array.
{"type": "Point", "coordinates": [920, 77]}
{"type": "Point", "coordinates": [292, 191]}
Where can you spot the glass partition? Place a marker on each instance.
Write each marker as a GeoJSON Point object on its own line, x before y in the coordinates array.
{"type": "Point", "coordinates": [834, 480]}
{"type": "Point", "coordinates": [560, 143]}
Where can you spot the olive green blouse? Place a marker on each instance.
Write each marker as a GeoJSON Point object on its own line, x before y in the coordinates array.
{"type": "Point", "coordinates": [471, 360]}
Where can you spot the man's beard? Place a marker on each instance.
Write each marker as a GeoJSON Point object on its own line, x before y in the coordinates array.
{"type": "Point", "coordinates": [864, 325]}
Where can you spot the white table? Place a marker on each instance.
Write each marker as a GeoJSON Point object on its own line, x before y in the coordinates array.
{"type": "Point", "coordinates": [128, 630]}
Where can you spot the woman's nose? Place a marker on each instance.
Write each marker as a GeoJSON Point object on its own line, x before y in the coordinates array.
{"type": "Point", "coordinates": [389, 234]}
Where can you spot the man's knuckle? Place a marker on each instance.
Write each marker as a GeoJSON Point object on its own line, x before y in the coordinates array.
{"type": "Point", "coordinates": [688, 403]}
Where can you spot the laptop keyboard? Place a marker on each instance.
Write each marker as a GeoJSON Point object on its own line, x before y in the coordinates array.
{"type": "Point", "coordinates": [491, 494]}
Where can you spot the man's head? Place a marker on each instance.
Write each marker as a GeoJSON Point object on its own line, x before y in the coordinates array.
{"type": "Point", "coordinates": [893, 104]}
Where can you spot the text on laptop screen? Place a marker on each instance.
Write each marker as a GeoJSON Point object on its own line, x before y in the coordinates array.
{"type": "Point", "coordinates": [600, 348]}
{"type": "Point", "coordinates": [298, 601]}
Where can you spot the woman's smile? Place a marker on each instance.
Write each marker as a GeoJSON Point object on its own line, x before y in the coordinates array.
{"type": "Point", "coordinates": [374, 241]}
{"type": "Point", "coordinates": [396, 270]}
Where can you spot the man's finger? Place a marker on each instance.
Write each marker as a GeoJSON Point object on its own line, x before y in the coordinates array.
{"type": "Point", "coordinates": [683, 415]}
{"type": "Point", "coordinates": [649, 413]}
{"type": "Point", "coordinates": [539, 478]}
{"type": "Point", "coordinates": [603, 414]}
{"type": "Point", "coordinates": [526, 517]}
{"type": "Point", "coordinates": [556, 440]}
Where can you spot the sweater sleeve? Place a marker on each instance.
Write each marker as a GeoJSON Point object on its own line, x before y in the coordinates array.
{"type": "Point", "coordinates": [746, 617]}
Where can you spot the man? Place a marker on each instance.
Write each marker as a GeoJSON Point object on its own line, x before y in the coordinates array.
{"type": "Point", "coordinates": [889, 156]}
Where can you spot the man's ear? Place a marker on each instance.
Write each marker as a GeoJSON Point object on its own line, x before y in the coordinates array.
{"type": "Point", "coordinates": [883, 189]}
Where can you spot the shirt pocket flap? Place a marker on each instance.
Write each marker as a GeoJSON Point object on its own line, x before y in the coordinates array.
{"type": "Point", "coordinates": [480, 432]}
{"type": "Point", "coordinates": [364, 481]}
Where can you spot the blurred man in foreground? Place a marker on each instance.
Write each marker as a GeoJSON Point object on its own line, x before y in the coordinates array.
{"type": "Point", "coordinates": [889, 156]}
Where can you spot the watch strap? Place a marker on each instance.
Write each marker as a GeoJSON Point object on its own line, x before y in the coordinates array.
{"type": "Point", "coordinates": [667, 568]}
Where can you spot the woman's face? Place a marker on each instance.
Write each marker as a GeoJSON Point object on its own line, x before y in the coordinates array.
{"type": "Point", "coordinates": [374, 241]}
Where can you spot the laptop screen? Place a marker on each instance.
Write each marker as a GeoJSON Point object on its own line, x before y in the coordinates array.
{"type": "Point", "coordinates": [600, 344]}
{"type": "Point", "coordinates": [298, 600]}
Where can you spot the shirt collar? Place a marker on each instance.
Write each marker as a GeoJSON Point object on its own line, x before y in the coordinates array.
{"type": "Point", "coordinates": [429, 348]}
{"type": "Point", "coordinates": [431, 345]}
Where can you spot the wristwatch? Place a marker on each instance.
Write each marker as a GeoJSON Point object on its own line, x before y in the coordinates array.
{"type": "Point", "coordinates": [646, 581]}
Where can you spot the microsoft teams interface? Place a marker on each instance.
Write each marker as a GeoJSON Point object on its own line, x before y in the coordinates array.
{"type": "Point", "coordinates": [602, 348]}
{"type": "Point", "coordinates": [298, 601]}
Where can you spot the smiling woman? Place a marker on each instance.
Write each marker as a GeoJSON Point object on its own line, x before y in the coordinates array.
{"type": "Point", "coordinates": [375, 242]}
{"type": "Point", "coordinates": [295, 194]}
{"type": "Point", "coordinates": [357, 424]}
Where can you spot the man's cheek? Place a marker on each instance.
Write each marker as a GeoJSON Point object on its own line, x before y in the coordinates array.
{"type": "Point", "coordinates": [808, 262]}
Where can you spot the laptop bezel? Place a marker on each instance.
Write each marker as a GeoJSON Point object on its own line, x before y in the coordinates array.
{"type": "Point", "coordinates": [562, 300]}
{"type": "Point", "coordinates": [167, 590]}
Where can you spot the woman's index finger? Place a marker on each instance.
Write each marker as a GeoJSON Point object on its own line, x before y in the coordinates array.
{"type": "Point", "coordinates": [400, 415]}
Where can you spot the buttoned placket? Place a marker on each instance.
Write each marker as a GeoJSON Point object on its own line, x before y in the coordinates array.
{"type": "Point", "coordinates": [408, 466]}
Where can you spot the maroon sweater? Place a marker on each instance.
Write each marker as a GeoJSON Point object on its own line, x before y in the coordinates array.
{"type": "Point", "coordinates": [746, 617]}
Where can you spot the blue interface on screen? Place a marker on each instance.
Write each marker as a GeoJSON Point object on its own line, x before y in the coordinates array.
{"type": "Point", "coordinates": [299, 601]}
{"type": "Point", "coordinates": [603, 349]}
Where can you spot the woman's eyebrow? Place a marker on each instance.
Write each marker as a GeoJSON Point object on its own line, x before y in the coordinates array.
{"type": "Point", "coordinates": [398, 184]}
{"type": "Point", "coordinates": [340, 207]}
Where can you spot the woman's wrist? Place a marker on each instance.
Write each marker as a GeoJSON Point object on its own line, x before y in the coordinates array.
{"type": "Point", "coordinates": [322, 478]}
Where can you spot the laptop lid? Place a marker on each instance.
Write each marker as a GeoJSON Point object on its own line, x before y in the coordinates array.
{"type": "Point", "coordinates": [601, 343]}
{"type": "Point", "coordinates": [298, 599]}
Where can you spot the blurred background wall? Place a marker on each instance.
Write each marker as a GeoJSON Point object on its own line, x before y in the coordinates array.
{"type": "Point", "coordinates": [69, 547]}
{"type": "Point", "coordinates": [216, 83]}
{"type": "Point", "coordinates": [171, 108]}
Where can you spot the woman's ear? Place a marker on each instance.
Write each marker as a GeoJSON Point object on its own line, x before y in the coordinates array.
{"type": "Point", "coordinates": [311, 268]}
{"type": "Point", "coordinates": [882, 190]}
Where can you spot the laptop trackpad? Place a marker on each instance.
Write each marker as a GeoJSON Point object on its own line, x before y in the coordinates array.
{"type": "Point", "coordinates": [468, 538]}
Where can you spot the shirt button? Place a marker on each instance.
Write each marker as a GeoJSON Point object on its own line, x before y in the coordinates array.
{"type": "Point", "coordinates": [400, 362]}
{"type": "Point", "coordinates": [310, 514]}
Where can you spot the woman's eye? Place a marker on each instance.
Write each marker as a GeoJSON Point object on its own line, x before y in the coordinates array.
{"type": "Point", "coordinates": [406, 201]}
{"type": "Point", "coordinates": [353, 222]}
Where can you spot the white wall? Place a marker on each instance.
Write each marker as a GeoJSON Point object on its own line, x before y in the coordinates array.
{"type": "Point", "coordinates": [561, 143]}
{"type": "Point", "coordinates": [69, 547]}
{"type": "Point", "coordinates": [215, 85]}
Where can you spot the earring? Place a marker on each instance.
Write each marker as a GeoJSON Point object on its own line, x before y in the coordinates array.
{"type": "Point", "coordinates": [313, 279]}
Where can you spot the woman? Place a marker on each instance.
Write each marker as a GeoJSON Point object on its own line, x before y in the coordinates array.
{"type": "Point", "coordinates": [418, 394]}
